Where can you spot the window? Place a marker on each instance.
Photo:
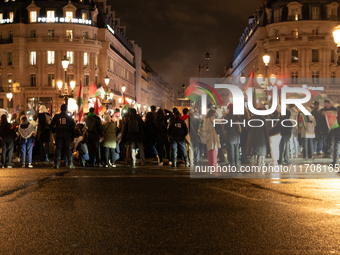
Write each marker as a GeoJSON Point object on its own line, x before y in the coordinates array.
{"type": "Point", "coordinates": [295, 33]}
{"type": "Point", "coordinates": [315, 77]}
{"type": "Point", "coordinates": [70, 57]}
{"type": "Point", "coordinates": [84, 15]}
{"type": "Point", "coordinates": [32, 34]}
{"type": "Point", "coordinates": [50, 33]}
{"type": "Point", "coordinates": [70, 77]}
{"type": "Point", "coordinates": [33, 80]}
{"type": "Point", "coordinates": [85, 35]}
{"type": "Point", "coordinates": [11, 16]}
{"type": "Point", "coordinates": [95, 36]}
{"type": "Point", "coordinates": [294, 76]}
{"type": "Point", "coordinates": [295, 14]}
{"type": "Point", "coordinates": [1, 16]}
{"type": "Point", "coordinates": [51, 80]}
{"type": "Point", "coordinates": [333, 77]}
{"type": "Point", "coordinates": [122, 73]}
{"type": "Point", "coordinates": [277, 15]}
{"type": "Point", "coordinates": [315, 31]}
{"type": "Point", "coordinates": [86, 80]}
{"type": "Point", "coordinates": [50, 58]}
{"type": "Point", "coordinates": [332, 55]}
{"type": "Point", "coordinates": [10, 36]}
{"type": "Point", "coordinates": [334, 14]}
{"type": "Point", "coordinates": [315, 12]}
{"type": "Point", "coordinates": [9, 58]}
{"type": "Point", "coordinates": [277, 33]}
{"type": "Point", "coordinates": [69, 15]}
{"type": "Point", "coordinates": [96, 60]}
{"type": "Point", "coordinates": [96, 80]}
{"type": "Point", "coordinates": [86, 59]}
{"type": "Point", "coordinates": [277, 57]}
{"type": "Point", "coordinates": [33, 58]}
{"type": "Point", "coordinates": [33, 16]}
{"type": "Point", "coordinates": [69, 34]}
{"type": "Point", "coordinates": [315, 55]}
{"type": "Point", "coordinates": [111, 64]}
{"type": "Point", "coordinates": [295, 56]}
{"type": "Point", "coordinates": [50, 15]}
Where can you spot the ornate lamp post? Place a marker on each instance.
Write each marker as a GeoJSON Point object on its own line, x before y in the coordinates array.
{"type": "Point", "coordinates": [264, 81]}
{"type": "Point", "coordinates": [65, 95]}
{"type": "Point", "coordinates": [206, 65]}
{"type": "Point", "coordinates": [9, 97]}
{"type": "Point", "coordinates": [123, 90]}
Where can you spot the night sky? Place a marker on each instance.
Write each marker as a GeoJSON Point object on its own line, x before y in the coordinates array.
{"type": "Point", "coordinates": [175, 35]}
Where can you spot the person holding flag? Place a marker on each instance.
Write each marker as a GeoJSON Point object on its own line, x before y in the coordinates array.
{"type": "Point", "coordinates": [80, 102]}
{"type": "Point", "coordinates": [328, 125]}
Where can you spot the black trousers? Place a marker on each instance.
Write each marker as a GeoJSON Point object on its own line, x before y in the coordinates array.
{"type": "Point", "coordinates": [163, 141]}
{"type": "Point", "coordinates": [110, 153]}
{"type": "Point", "coordinates": [63, 141]}
{"type": "Point", "coordinates": [308, 150]}
{"type": "Point", "coordinates": [93, 147]}
{"type": "Point", "coordinates": [233, 153]}
{"type": "Point", "coordinates": [328, 142]}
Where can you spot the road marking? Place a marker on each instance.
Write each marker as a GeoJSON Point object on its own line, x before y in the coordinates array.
{"type": "Point", "coordinates": [236, 194]}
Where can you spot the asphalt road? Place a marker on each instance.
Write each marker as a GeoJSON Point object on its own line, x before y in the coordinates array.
{"type": "Point", "coordinates": [152, 210]}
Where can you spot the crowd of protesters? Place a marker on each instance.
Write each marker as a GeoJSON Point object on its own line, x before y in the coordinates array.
{"type": "Point", "coordinates": [168, 137]}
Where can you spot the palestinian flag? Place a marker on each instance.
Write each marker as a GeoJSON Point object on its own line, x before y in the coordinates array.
{"type": "Point", "coordinates": [80, 102]}
{"type": "Point", "coordinates": [251, 80]}
{"type": "Point", "coordinates": [94, 91]}
{"type": "Point", "coordinates": [331, 119]}
{"type": "Point", "coordinates": [303, 118]}
{"type": "Point", "coordinates": [97, 106]}
{"type": "Point", "coordinates": [197, 89]}
{"type": "Point", "coordinates": [124, 110]}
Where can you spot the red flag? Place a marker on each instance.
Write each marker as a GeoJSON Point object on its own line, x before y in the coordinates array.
{"type": "Point", "coordinates": [96, 107]}
{"type": "Point", "coordinates": [251, 80]}
{"type": "Point", "coordinates": [50, 111]}
{"type": "Point", "coordinates": [125, 102]}
{"type": "Point", "coordinates": [80, 102]}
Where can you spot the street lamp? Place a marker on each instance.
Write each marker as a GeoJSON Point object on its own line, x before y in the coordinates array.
{"type": "Point", "coordinates": [107, 80]}
{"type": "Point", "coordinates": [9, 97]}
{"type": "Point", "coordinates": [336, 35]}
{"type": "Point", "coordinates": [65, 95]}
{"type": "Point", "coordinates": [206, 65]}
{"type": "Point", "coordinates": [243, 78]}
{"type": "Point", "coordinates": [123, 90]}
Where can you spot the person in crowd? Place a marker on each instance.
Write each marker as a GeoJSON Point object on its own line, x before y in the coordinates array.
{"type": "Point", "coordinates": [8, 135]}
{"type": "Point", "coordinates": [194, 138]}
{"type": "Point", "coordinates": [328, 134]}
{"type": "Point", "coordinates": [27, 132]}
{"type": "Point", "coordinates": [284, 125]}
{"type": "Point", "coordinates": [212, 138]}
{"type": "Point", "coordinates": [153, 110]}
{"type": "Point", "coordinates": [318, 140]}
{"type": "Point", "coordinates": [43, 133]}
{"type": "Point", "coordinates": [34, 122]}
{"type": "Point", "coordinates": [64, 126]}
{"type": "Point", "coordinates": [294, 142]}
{"type": "Point", "coordinates": [274, 139]}
{"type": "Point", "coordinates": [80, 145]}
{"type": "Point", "coordinates": [307, 124]}
{"type": "Point", "coordinates": [244, 136]}
{"type": "Point", "coordinates": [93, 132]}
{"type": "Point", "coordinates": [151, 138]}
{"type": "Point", "coordinates": [336, 151]}
{"type": "Point", "coordinates": [109, 141]}
{"type": "Point", "coordinates": [177, 131]}
{"type": "Point", "coordinates": [233, 136]}
{"type": "Point", "coordinates": [186, 118]}
{"type": "Point", "coordinates": [258, 138]}
{"type": "Point", "coordinates": [162, 136]}
{"type": "Point", "coordinates": [134, 135]}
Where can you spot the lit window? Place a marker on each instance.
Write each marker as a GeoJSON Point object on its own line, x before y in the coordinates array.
{"type": "Point", "coordinates": [11, 16]}
{"type": "Point", "coordinates": [6, 1]}
{"type": "Point", "coordinates": [1, 16]}
{"type": "Point", "coordinates": [33, 58]}
{"type": "Point", "coordinates": [33, 16]}
{"type": "Point", "coordinates": [69, 34]}
{"type": "Point", "coordinates": [81, 1]}
{"type": "Point", "coordinates": [295, 56]}
{"type": "Point", "coordinates": [69, 15]}
{"type": "Point", "coordinates": [111, 64]}
{"type": "Point", "coordinates": [50, 16]}
{"type": "Point", "coordinates": [50, 58]}
{"type": "Point", "coordinates": [70, 57]}
{"type": "Point", "coordinates": [295, 32]}
{"type": "Point", "coordinates": [51, 80]}
{"type": "Point", "coordinates": [84, 15]}
{"type": "Point", "coordinates": [85, 35]}
{"type": "Point", "coordinates": [86, 59]}
{"type": "Point", "coordinates": [96, 60]}
{"type": "Point", "coordinates": [50, 33]}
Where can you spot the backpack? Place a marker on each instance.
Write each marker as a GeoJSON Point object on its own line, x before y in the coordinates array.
{"type": "Point", "coordinates": [177, 129]}
{"type": "Point", "coordinates": [160, 126]}
{"type": "Point", "coordinates": [133, 126]}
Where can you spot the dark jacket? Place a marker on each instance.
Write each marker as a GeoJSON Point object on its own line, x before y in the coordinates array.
{"type": "Point", "coordinates": [63, 124]}
{"type": "Point", "coordinates": [7, 131]}
{"type": "Point", "coordinates": [258, 139]}
{"type": "Point", "coordinates": [285, 130]}
{"type": "Point", "coordinates": [318, 118]}
{"type": "Point", "coordinates": [234, 131]}
{"type": "Point", "coordinates": [150, 131]}
{"type": "Point", "coordinates": [177, 130]}
{"type": "Point", "coordinates": [134, 137]}
{"type": "Point", "coordinates": [43, 128]}
{"type": "Point", "coordinates": [93, 125]}
{"type": "Point", "coordinates": [162, 126]}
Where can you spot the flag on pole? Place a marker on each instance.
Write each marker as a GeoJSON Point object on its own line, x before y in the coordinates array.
{"type": "Point", "coordinates": [304, 118]}
{"type": "Point", "coordinates": [124, 101]}
{"type": "Point", "coordinates": [97, 106]}
{"type": "Point", "coordinates": [331, 119]}
{"type": "Point", "coordinates": [50, 111]}
{"type": "Point", "coordinates": [80, 102]}
{"type": "Point", "coordinates": [251, 80]}
{"type": "Point", "coordinates": [94, 91]}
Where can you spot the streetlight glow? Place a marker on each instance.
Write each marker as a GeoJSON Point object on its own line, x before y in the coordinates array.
{"type": "Point", "coordinates": [266, 59]}
{"type": "Point", "coordinates": [72, 84]}
{"type": "Point", "coordinates": [119, 100]}
{"type": "Point", "coordinates": [107, 80]}
{"type": "Point", "coordinates": [123, 88]}
{"type": "Point", "coordinates": [9, 96]}
{"type": "Point", "coordinates": [336, 35]}
{"type": "Point", "coordinates": [65, 62]}
{"type": "Point", "coordinates": [273, 79]}
{"type": "Point", "coordinates": [60, 84]}
{"type": "Point", "coordinates": [111, 95]}
{"type": "Point", "coordinates": [259, 78]}
{"type": "Point", "coordinates": [242, 78]}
